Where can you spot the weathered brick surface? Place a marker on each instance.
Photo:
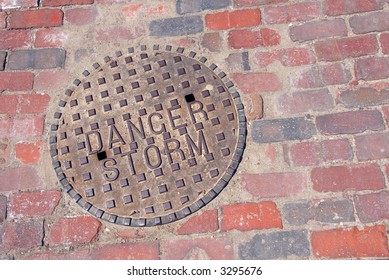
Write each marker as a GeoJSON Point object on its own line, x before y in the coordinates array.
{"type": "Point", "coordinates": [384, 40]}
{"type": "Point", "coordinates": [372, 207]}
{"type": "Point", "coordinates": [257, 82]}
{"type": "Point", "coordinates": [267, 131]}
{"type": "Point", "coordinates": [23, 235]}
{"type": "Point", "coordinates": [12, 39]}
{"type": "Point", "coordinates": [193, 6]}
{"type": "Point", "coordinates": [347, 178]}
{"type": "Point", "coordinates": [238, 61]}
{"type": "Point", "coordinates": [3, 20]}
{"type": "Point", "coordinates": [19, 178]}
{"type": "Point", "coordinates": [16, 81]}
{"type": "Point", "coordinates": [373, 146]}
{"type": "Point", "coordinates": [363, 97]}
{"type": "Point", "coordinates": [35, 18]}
{"type": "Point", "coordinates": [343, 7]}
{"type": "Point", "coordinates": [6, 150]}
{"type": "Point", "coordinates": [324, 211]}
{"type": "Point", "coordinates": [14, 4]}
{"type": "Point", "coordinates": [287, 57]}
{"type": "Point", "coordinates": [293, 12]}
{"type": "Point", "coordinates": [350, 242]}
{"type": "Point", "coordinates": [372, 22]}
{"type": "Point", "coordinates": [81, 16]}
{"type": "Point", "coordinates": [176, 26]}
{"type": "Point", "coordinates": [212, 41]}
{"type": "Point", "coordinates": [204, 222]}
{"type": "Point", "coordinates": [276, 245]}
{"type": "Point", "coordinates": [318, 29]}
{"type": "Point", "coordinates": [23, 103]}
{"type": "Point", "coordinates": [126, 251]}
{"type": "Point", "coordinates": [29, 152]}
{"type": "Point", "coordinates": [372, 68]}
{"type": "Point", "coordinates": [247, 39]}
{"type": "Point", "coordinates": [235, 19]}
{"type": "Point", "coordinates": [46, 38]}
{"type": "Point", "coordinates": [3, 208]}
{"type": "Point", "coordinates": [51, 80]}
{"type": "Point", "coordinates": [36, 59]}
{"type": "Point", "coordinates": [80, 254]}
{"type": "Point", "coordinates": [22, 128]}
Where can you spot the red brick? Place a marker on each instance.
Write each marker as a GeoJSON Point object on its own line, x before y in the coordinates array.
{"type": "Point", "coordinates": [343, 7]}
{"type": "Point", "coordinates": [35, 18]}
{"type": "Point", "coordinates": [209, 248]}
{"type": "Point", "coordinates": [33, 204]}
{"type": "Point", "coordinates": [3, 20]}
{"type": "Point", "coordinates": [250, 216]}
{"type": "Point", "coordinates": [23, 235]}
{"type": "Point", "coordinates": [347, 178]}
{"type": "Point", "coordinates": [239, 39]}
{"type": "Point", "coordinates": [51, 80]}
{"type": "Point", "coordinates": [372, 207]}
{"type": "Point", "coordinates": [17, 4]}
{"type": "Point", "coordinates": [72, 231]}
{"type": "Point", "coordinates": [305, 101]}
{"type": "Point", "coordinates": [322, 76]}
{"type": "Point", "coordinates": [339, 49]}
{"type": "Point", "coordinates": [253, 106]}
{"type": "Point", "coordinates": [12, 39]}
{"type": "Point", "coordinates": [372, 68]}
{"type": "Point", "coordinates": [50, 38]}
{"type": "Point", "coordinates": [19, 178]}
{"type": "Point", "coordinates": [212, 41]}
{"type": "Point", "coordinates": [78, 254]}
{"type": "Point", "coordinates": [287, 57]}
{"type": "Point", "coordinates": [22, 128]}
{"type": "Point", "coordinates": [250, 3]}
{"type": "Point", "coordinates": [363, 97]}
{"type": "Point", "coordinates": [59, 3]}
{"type": "Point", "coordinates": [119, 33]}
{"type": "Point", "coordinates": [372, 146]}
{"type": "Point", "coordinates": [131, 233]}
{"type": "Point", "coordinates": [314, 153]}
{"type": "Point", "coordinates": [268, 185]}
{"type": "Point", "coordinates": [3, 209]}
{"type": "Point", "coordinates": [350, 242]}
{"type": "Point", "coordinates": [23, 103]}
{"type": "Point", "coordinates": [81, 16]}
{"type": "Point", "coordinates": [29, 152]}
{"type": "Point", "coordinates": [371, 22]}
{"type": "Point", "coordinates": [235, 19]}
{"type": "Point", "coordinates": [350, 122]}
{"type": "Point", "coordinates": [207, 221]}
{"type": "Point", "coordinates": [126, 251]}
{"type": "Point", "coordinates": [16, 81]}
{"type": "Point", "coordinates": [293, 12]}
{"type": "Point", "coordinates": [384, 40]}
{"type": "Point", "coordinates": [257, 82]}
{"type": "Point", "coordinates": [318, 29]}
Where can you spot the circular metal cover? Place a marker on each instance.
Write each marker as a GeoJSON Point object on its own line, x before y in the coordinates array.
{"type": "Point", "coordinates": [148, 137]}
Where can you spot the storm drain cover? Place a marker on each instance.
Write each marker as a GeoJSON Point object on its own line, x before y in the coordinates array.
{"type": "Point", "coordinates": [149, 136]}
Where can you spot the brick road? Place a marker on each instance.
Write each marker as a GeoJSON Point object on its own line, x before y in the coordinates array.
{"type": "Point", "coordinates": [314, 180]}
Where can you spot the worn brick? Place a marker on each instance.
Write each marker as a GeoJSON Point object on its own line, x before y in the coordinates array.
{"type": "Point", "coordinates": [350, 242]}
{"type": "Point", "coordinates": [350, 122]}
{"type": "Point", "coordinates": [288, 57]}
{"type": "Point", "coordinates": [33, 204]}
{"type": "Point", "coordinates": [234, 19]}
{"type": "Point", "coordinates": [29, 153]}
{"type": "Point", "coordinates": [35, 18]}
{"type": "Point", "coordinates": [384, 41]}
{"type": "Point", "coordinates": [249, 3]}
{"type": "Point", "coordinates": [50, 38]}
{"type": "Point", "coordinates": [193, 6]}
{"type": "Point", "coordinates": [13, 39]}
{"type": "Point", "coordinates": [276, 245]}
{"type": "Point", "coordinates": [305, 101]}
{"type": "Point", "coordinates": [372, 146]}
{"type": "Point", "coordinates": [268, 185]}
{"type": "Point", "coordinates": [23, 235]}
{"type": "Point", "coordinates": [19, 178]}
{"type": "Point", "coordinates": [51, 80]}
{"type": "Point", "coordinates": [17, 4]}
{"type": "Point", "coordinates": [72, 231]}
{"type": "Point", "coordinates": [207, 221]}
{"type": "Point", "coordinates": [372, 68]}
{"type": "Point", "coordinates": [126, 251]}
{"type": "Point", "coordinates": [177, 26]}
{"type": "Point", "coordinates": [277, 130]}
{"type": "Point", "coordinates": [343, 7]}
{"type": "Point", "coordinates": [318, 29]}
{"type": "Point", "coordinates": [23, 103]}
{"type": "Point", "coordinates": [212, 41]}
{"type": "Point", "coordinates": [250, 216]}
{"type": "Point", "coordinates": [257, 82]}
{"type": "Point", "coordinates": [238, 61]}
{"type": "Point", "coordinates": [37, 59]}
{"type": "Point", "coordinates": [372, 207]}
{"type": "Point", "coordinates": [363, 97]}
{"type": "Point", "coordinates": [371, 22]}
{"type": "Point", "coordinates": [3, 20]}
{"type": "Point", "coordinates": [335, 211]}
{"type": "Point", "coordinates": [248, 39]}
{"type": "Point", "coordinates": [60, 3]}
{"type": "Point", "coordinates": [253, 106]}
{"type": "Point", "coordinates": [3, 56]}
{"type": "Point", "coordinates": [293, 12]}
{"type": "Point", "coordinates": [347, 178]}
{"type": "Point", "coordinates": [6, 150]}
{"type": "Point", "coordinates": [3, 208]}
{"type": "Point", "coordinates": [81, 16]}
{"type": "Point", "coordinates": [339, 49]}
{"type": "Point", "coordinates": [115, 33]}
{"type": "Point", "coordinates": [315, 153]}
{"type": "Point", "coordinates": [197, 249]}
{"type": "Point", "coordinates": [72, 254]}
{"type": "Point", "coordinates": [22, 128]}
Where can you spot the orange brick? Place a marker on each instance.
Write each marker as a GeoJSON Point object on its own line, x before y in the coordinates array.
{"type": "Point", "coordinates": [235, 19]}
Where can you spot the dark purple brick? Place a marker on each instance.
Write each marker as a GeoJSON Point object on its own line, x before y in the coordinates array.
{"type": "Point", "coordinates": [371, 22]}
{"type": "Point", "coordinates": [326, 211]}
{"type": "Point", "coordinates": [23, 235]}
{"type": "Point", "coordinates": [36, 59]}
{"type": "Point", "coordinates": [3, 208]}
{"type": "Point", "coordinates": [176, 26]}
{"type": "Point", "coordinates": [372, 207]}
{"type": "Point", "coordinates": [3, 55]}
{"type": "Point", "coordinates": [266, 131]}
{"type": "Point", "coordinates": [193, 6]}
{"type": "Point", "coordinates": [276, 245]}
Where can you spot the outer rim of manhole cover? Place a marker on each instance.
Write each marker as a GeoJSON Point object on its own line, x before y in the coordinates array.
{"type": "Point", "coordinates": [163, 219]}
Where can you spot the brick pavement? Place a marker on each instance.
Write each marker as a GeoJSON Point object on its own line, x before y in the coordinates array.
{"type": "Point", "coordinates": [314, 179]}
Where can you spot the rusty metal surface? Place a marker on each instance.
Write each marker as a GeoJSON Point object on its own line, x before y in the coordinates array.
{"type": "Point", "coordinates": [149, 137]}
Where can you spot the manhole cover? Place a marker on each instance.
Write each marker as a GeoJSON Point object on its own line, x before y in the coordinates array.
{"type": "Point", "coordinates": [148, 137]}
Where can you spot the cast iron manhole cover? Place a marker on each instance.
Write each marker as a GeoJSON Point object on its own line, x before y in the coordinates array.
{"type": "Point", "coordinates": [149, 136]}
